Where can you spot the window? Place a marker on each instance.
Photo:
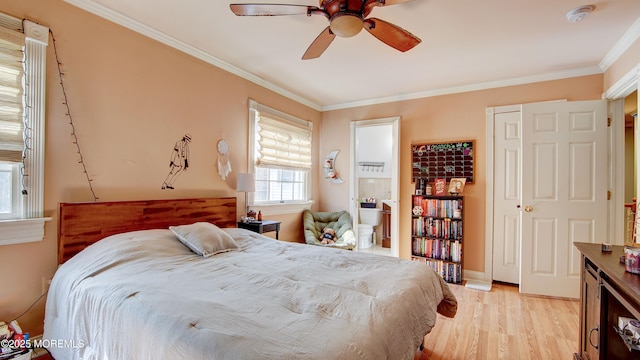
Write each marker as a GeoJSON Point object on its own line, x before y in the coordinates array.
{"type": "Point", "coordinates": [10, 204]}
{"type": "Point", "coordinates": [11, 120]}
{"type": "Point", "coordinates": [279, 185]}
{"type": "Point", "coordinates": [279, 157]}
{"type": "Point", "coordinates": [22, 86]}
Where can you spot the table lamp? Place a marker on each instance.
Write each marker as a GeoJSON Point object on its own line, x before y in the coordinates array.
{"type": "Point", "coordinates": [245, 184]}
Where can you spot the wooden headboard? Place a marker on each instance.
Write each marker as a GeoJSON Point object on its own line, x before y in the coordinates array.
{"type": "Point", "coordinates": [82, 224]}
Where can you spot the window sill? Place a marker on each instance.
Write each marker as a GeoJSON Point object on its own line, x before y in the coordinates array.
{"type": "Point", "coordinates": [21, 231]}
{"type": "Point", "coordinates": [279, 209]}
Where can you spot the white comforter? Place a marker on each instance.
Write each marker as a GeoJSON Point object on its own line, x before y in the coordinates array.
{"type": "Point", "coordinates": [144, 295]}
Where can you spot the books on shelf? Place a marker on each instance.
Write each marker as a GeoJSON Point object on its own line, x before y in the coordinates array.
{"type": "Point", "coordinates": [437, 234]}
{"type": "Point", "coordinates": [439, 249]}
{"type": "Point", "coordinates": [417, 200]}
{"type": "Point", "coordinates": [437, 228]}
{"type": "Point", "coordinates": [450, 272]}
{"type": "Point", "coordinates": [450, 208]}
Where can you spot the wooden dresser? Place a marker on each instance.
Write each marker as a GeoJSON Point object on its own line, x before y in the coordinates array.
{"type": "Point", "coordinates": [607, 293]}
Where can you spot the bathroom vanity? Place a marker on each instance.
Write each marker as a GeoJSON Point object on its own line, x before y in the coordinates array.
{"type": "Point", "coordinates": [386, 225]}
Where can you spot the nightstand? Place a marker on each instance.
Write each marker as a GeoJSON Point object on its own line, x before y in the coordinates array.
{"type": "Point", "coordinates": [261, 227]}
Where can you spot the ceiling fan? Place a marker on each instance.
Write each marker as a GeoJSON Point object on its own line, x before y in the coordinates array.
{"type": "Point", "coordinates": [346, 19]}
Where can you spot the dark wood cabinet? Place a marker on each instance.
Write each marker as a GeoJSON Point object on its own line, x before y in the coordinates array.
{"type": "Point", "coordinates": [608, 293]}
{"type": "Point", "coordinates": [386, 226]}
{"type": "Point", "coordinates": [591, 310]}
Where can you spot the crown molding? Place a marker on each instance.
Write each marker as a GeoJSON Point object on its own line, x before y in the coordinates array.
{"type": "Point", "coordinates": [629, 37]}
{"type": "Point", "coordinates": [92, 7]}
{"type": "Point", "coordinates": [625, 86]}
{"type": "Point", "coordinates": [122, 20]}
{"type": "Point", "coordinates": [593, 70]}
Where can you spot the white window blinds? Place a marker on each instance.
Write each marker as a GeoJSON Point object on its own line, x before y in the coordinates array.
{"type": "Point", "coordinates": [11, 94]}
{"type": "Point", "coordinates": [282, 143]}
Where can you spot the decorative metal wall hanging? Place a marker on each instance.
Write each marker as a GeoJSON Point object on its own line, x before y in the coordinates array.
{"type": "Point", "coordinates": [179, 162]}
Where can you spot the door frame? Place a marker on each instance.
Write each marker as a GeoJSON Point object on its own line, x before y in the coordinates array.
{"type": "Point", "coordinates": [625, 86]}
{"type": "Point", "coordinates": [395, 177]}
{"type": "Point", "coordinates": [629, 83]}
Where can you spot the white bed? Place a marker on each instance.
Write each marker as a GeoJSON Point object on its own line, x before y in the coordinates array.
{"type": "Point", "coordinates": [145, 295]}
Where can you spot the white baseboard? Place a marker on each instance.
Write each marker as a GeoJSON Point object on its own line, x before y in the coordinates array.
{"type": "Point", "coordinates": [475, 280]}
{"type": "Point", "coordinates": [473, 275]}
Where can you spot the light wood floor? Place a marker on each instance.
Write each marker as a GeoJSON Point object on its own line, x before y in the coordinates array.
{"type": "Point", "coordinates": [503, 324]}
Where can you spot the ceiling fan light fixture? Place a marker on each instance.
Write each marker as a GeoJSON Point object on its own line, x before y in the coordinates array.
{"type": "Point", "coordinates": [346, 25]}
{"type": "Point", "coordinates": [580, 13]}
{"type": "Point", "coordinates": [346, 19]}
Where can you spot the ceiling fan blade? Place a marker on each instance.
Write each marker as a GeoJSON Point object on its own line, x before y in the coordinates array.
{"type": "Point", "coordinates": [272, 9]}
{"type": "Point", "coordinates": [394, 2]}
{"type": "Point", "coordinates": [319, 45]}
{"type": "Point", "coordinates": [392, 35]}
{"type": "Point", "coordinates": [373, 3]}
{"type": "Point", "coordinates": [368, 5]}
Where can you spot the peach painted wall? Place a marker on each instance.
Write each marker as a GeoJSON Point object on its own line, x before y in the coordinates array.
{"type": "Point", "coordinates": [450, 117]}
{"type": "Point", "coordinates": [131, 99]}
{"type": "Point", "coordinates": [625, 64]}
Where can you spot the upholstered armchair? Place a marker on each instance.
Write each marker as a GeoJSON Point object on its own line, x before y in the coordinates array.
{"type": "Point", "coordinates": [340, 221]}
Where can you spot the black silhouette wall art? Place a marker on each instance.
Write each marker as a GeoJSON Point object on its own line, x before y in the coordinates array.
{"type": "Point", "coordinates": [179, 161]}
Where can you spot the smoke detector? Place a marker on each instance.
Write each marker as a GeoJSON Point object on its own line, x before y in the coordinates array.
{"type": "Point", "coordinates": [580, 13]}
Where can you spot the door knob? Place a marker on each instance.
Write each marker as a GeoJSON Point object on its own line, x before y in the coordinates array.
{"type": "Point", "coordinates": [528, 208]}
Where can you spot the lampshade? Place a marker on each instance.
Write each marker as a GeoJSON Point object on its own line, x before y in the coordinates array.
{"type": "Point", "coordinates": [245, 183]}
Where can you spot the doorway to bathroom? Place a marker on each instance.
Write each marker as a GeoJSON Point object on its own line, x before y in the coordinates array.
{"type": "Point", "coordinates": [375, 180]}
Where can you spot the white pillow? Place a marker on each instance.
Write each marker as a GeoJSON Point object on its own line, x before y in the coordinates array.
{"type": "Point", "coordinates": [204, 238]}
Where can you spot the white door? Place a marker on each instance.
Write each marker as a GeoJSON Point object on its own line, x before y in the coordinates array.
{"type": "Point", "coordinates": [564, 192]}
{"type": "Point", "coordinates": [506, 183]}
